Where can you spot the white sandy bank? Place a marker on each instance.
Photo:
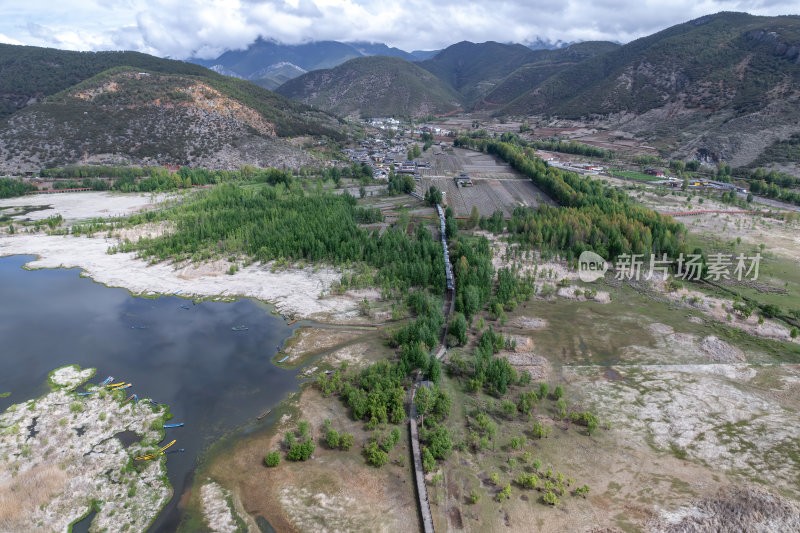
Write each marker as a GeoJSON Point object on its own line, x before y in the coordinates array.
{"type": "Point", "coordinates": [78, 206]}
{"type": "Point", "coordinates": [292, 291]}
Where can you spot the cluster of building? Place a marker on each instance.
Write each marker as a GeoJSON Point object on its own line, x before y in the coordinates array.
{"type": "Point", "coordinates": [384, 156]}
{"type": "Point", "coordinates": [584, 168]}
{"type": "Point", "coordinates": [704, 184]}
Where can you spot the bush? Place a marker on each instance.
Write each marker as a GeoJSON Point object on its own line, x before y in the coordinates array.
{"type": "Point", "coordinates": [586, 419]}
{"type": "Point", "coordinates": [272, 459]}
{"type": "Point", "coordinates": [346, 441]}
{"type": "Point", "coordinates": [504, 494]}
{"type": "Point", "coordinates": [474, 496]}
{"type": "Point", "coordinates": [550, 498]}
{"type": "Point", "coordinates": [376, 456]}
{"type": "Point", "coordinates": [332, 438]}
{"type": "Point", "coordinates": [300, 451]}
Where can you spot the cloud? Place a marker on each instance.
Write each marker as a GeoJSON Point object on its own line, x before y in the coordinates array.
{"type": "Point", "coordinates": [8, 40]}
{"type": "Point", "coordinates": [206, 28]}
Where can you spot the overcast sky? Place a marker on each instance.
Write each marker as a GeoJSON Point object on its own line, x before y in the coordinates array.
{"type": "Point", "coordinates": [205, 28]}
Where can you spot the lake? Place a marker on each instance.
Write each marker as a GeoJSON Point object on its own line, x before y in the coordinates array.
{"type": "Point", "coordinates": [214, 379]}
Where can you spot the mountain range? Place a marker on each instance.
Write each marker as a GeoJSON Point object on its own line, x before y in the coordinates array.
{"type": "Point", "coordinates": [374, 86]}
{"type": "Point", "coordinates": [720, 87]}
{"type": "Point", "coordinates": [269, 63]}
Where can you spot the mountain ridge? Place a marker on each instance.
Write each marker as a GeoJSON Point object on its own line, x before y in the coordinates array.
{"type": "Point", "coordinates": [152, 116]}
{"type": "Point", "coordinates": [373, 86]}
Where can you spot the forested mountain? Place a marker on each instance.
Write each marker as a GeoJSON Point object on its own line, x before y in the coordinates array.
{"type": "Point", "coordinates": [373, 86]}
{"type": "Point", "coordinates": [268, 63]}
{"type": "Point", "coordinates": [29, 73]}
{"type": "Point", "coordinates": [156, 111]}
{"type": "Point", "coordinates": [472, 69]}
{"type": "Point", "coordinates": [543, 64]}
{"type": "Point", "coordinates": [729, 84]}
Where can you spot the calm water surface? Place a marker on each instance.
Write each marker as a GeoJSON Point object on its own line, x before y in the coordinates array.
{"type": "Point", "coordinates": [214, 379]}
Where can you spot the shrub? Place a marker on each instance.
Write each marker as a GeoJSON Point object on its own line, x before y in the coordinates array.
{"type": "Point", "coordinates": [428, 461]}
{"type": "Point", "coordinates": [272, 459]}
{"type": "Point", "coordinates": [346, 441]}
{"type": "Point", "coordinates": [474, 496]}
{"type": "Point", "coordinates": [300, 451]}
{"type": "Point", "coordinates": [550, 498]}
{"type": "Point", "coordinates": [504, 494]}
{"type": "Point", "coordinates": [376, 456]}
{"type": "Point", "coordinates": [332, 438]}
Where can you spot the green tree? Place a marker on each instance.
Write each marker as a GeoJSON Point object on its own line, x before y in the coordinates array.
{"type": "Point", "coordinates": [428, 461]}
{"type": "Point", "coordinates": [332, 438]}
{"type": "Point", "coordinates": [440, 442]}
{"type": "Point", "coordinates": [474, 217]}
{"type": "Point", "coordinates": [375, 456]}
{"type": "Point", "coordinates": [458, 328]}
{"type": "Point", "coordinates": [346, 441]}
{"type": "Point", "coordinates": [301, 451]}
{"type": "Point", "coordinates": [424, 399]}
{"type": "Point", "coordinates": [474, 496]}
{"type": "Point", "coordinates": [272, 458]}
{"type": "Point", "coordinates": [543, 390]}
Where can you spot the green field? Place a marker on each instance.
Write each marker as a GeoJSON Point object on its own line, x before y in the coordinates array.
{"type": "Point", "coordinates": [633, 175]}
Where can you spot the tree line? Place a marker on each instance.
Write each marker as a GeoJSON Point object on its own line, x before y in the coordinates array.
{"type": "Point", "coordinates": [592, 217]}
{"type": "Point", "coordinates": [283, 223]}
{"type": "Point", "coordinates": [10, 187]}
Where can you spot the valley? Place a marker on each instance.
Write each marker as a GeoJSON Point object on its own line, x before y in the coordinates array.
{"type": "Point", "coordinates": [488, 287]}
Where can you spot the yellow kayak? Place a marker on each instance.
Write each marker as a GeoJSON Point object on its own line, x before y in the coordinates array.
{"type": "Point", "coordinates": [112, 385]}
{"type": "Point", "coordinates": [154, 455]}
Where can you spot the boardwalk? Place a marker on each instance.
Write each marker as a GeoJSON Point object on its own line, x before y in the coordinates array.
{"type": "Point", "coordinates": [419, 473]}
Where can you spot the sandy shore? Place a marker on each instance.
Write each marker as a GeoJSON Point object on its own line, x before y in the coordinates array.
{"type": "Point", "coordinates": [77, 206]}
{"type": "Point", "coordinates": [292, 291]}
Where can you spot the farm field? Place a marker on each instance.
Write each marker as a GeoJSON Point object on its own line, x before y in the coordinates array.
{"type": "Point", "coordinates": [496, 186]}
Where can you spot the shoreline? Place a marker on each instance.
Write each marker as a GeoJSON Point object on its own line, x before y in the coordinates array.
{"type": "Point", "coordinates": [291, 291]}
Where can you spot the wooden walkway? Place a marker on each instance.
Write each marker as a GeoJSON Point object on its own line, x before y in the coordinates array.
{"type": "Point", "coordinates": [419, 472]}
{"type": "Point", "coordinates": [447, 308]}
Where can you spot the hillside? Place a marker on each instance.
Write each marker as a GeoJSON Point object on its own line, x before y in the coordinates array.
{"type": "Point", "coordinates": [139, 116]}
{"type": "Point", "coordinates": [29, 73]}
{"type": "Point", "coordinates": [269, 63]}
{"type": "Point", "coordinates": [724, 86]}
{"type": "Point", "coordinates": [543, 64]}
{"type": "Point", "coordinates": [473, 69]}
{"type": "Point", "coordinates": [373, 86]}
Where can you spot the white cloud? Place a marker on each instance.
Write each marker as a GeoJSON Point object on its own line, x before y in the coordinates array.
{"type": "Point", "coordinates": [205, 28]}
{"type": "Point", "coordinates": [8, 40]}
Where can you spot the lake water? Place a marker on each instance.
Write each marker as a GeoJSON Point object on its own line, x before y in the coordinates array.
{"type": "Point", "coordinates": [214, 379]}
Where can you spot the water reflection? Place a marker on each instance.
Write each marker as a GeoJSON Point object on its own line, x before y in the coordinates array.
{"type": "Point", "coordinates": [213, 378]}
